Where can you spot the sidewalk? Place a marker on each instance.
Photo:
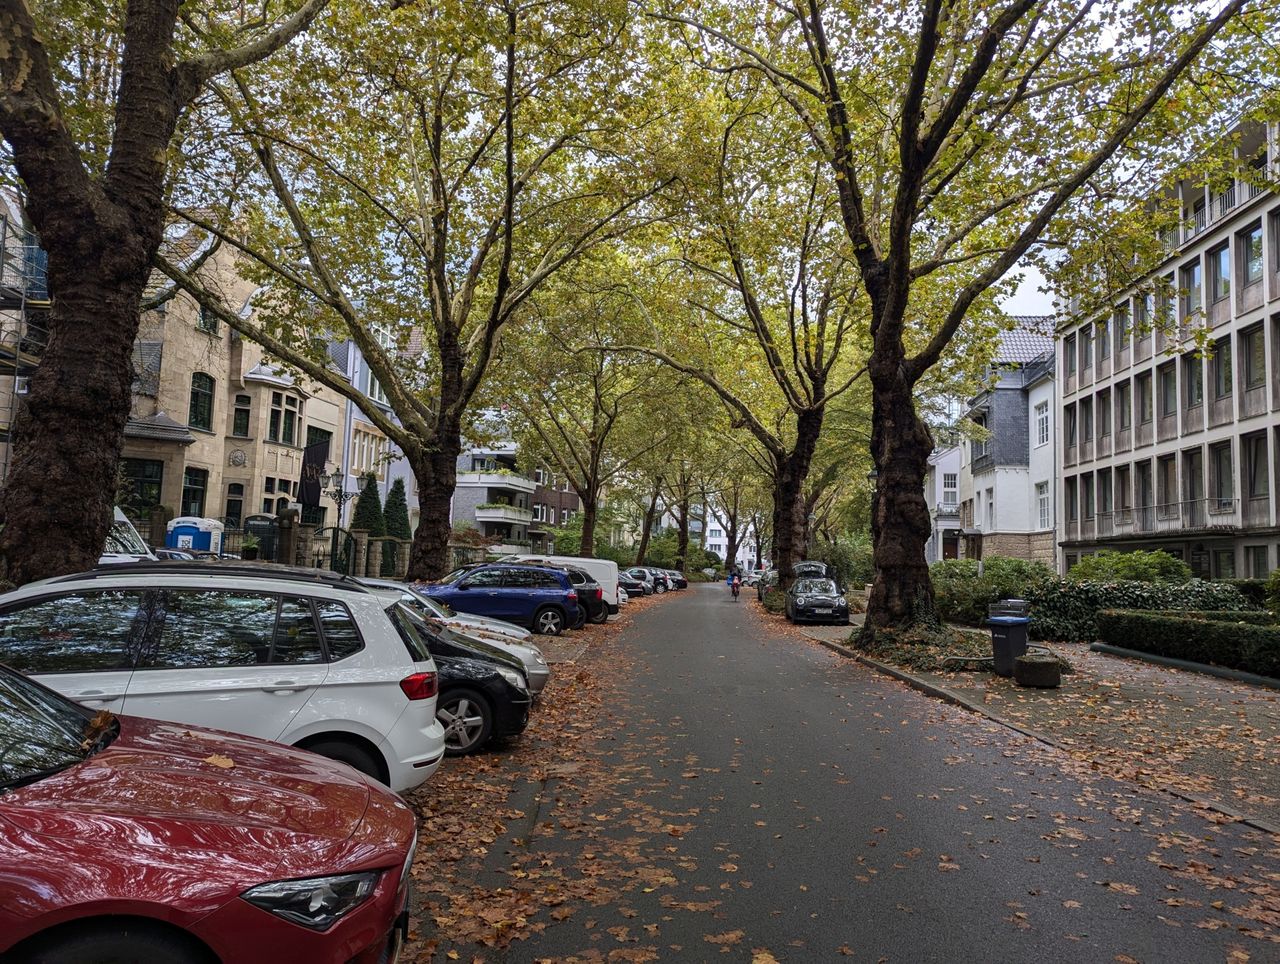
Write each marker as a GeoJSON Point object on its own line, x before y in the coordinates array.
{"type": "Point", "coordinates": [1207, 739]}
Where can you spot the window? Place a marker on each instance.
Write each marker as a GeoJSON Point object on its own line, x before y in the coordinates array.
{"type": "Point", "coordinates": [1104, 338]}
{"type": "Point", "coordinates": [79, 632]}
{"type": "Point", "coordinates": [991, 509]}
{"type": "Point", "coordinates": [369, 455]}
{"type": "Point", "coordinates": [1042, 502]}
{"type": "Point", "coordinates": [1167, 480]}
{"type": "Point", "coordinates": [1222, 367]}
{"type": "Point", "coordinates": [1124, 405]}
{"type": "Point", "coordinates": [1168, 375]}
{"type": "Point", "coordinates": [1124, 497]}
{"type": "Point", "coordinates": [1069, 354]}
{"type": "Point", "coordinates": [194, 484]}
{"type": "Point", "coordinates": [1086, 495]}
{"type": "Point", "coordinates": [1253, 350]}
{"type": "Point", "coordinates": [950, 485]}
{"type": "Point", "coordinates": [1145, 309]}
{"type": "Point", "coordinates": [1220, 273]}
{"type": "Point", "coordinates": [314, 515]}
{"type": "Point", "coordinates": [1104, 413]}
{"type": "Point", "coordinates": [1224, 563]}
{"type": "Point", "coordinates": [1257, 478]}
{"type": "Point", "coordinates": [713, 533]}
{"type": "Point", "coordinates": [1142, 387]}
{"type": "Point", "coordinates": [143, 479]}
{"type": "Point", "coordinates": [482, 579]}
{"type": "Point", "coordinates": [1193, 379]}
{"type": "Point", "coordinates": [564, 516]}
{"type": "Point", "coordinates": [340, 633]}
{"type": "Point", "coordinates": [1073, 500]}
{"type": "Point", "coordinates": [1189, 282]}
{"type": "Point", "coordinates": [285, 416]}
{"type": "Point", "coordinates": [240, 418]}
{"type": "Point", "coordinates": [1259, 561]}
{"type": "Point", "coordinates": [1123, 325]}
{"type": "Point", "coordinates": [217, 627]}
{"type": "Point", "coordinates": [235, 505]}
{"type": "Point", "coordinates": [320, 436]}
{"type": "Point", "coordinates": [539, 476]}
{"type": "Point", "coordinates": [1086, 346]}
{"type": "Point", "coordinates": [208, 322]}
{"type": "Point", "coordinates": [1104, 492]}
{"type": "Point", "coordinates": [1069, 425]}
{"type": "Point", "coordinates": [1042, 424]}
{"type": "Point", "coordinates": [1193, 476]}
{"type": "Point", "coordinates": [1086, 419]}
{"type": "Point", "coordinates": [1251, 255]}
{"type": "Point", "coordinates": [200, 414]}
{"type": "Point", "coordinates": [1223, 475]}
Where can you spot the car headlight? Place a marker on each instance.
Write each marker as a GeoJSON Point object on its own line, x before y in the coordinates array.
{"type": "Point", "coordinates": [314, 902]}
{"type": "Point", "coordinates": [514, 677]}
{"type": "Point", "coordinates": [539, 659]}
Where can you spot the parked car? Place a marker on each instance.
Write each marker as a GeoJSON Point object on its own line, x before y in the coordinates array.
{"type": "Point", "coordinates": [483, 692]}
{"type": "Point", "coordinates": [816, 600]}
{"type": "Point", "coordinates": [643, 577]}
{"type": "Point", "coordinates": [766, 582]}
{"type": "Point", "coordinates": [481, 641]}
{"type": "Point", "coordinates": [538, 597]}
{"type": "Point", "coordinates": [753, 576]}
{"type": "Point", "coordinates": [591, 604]}
{"type": "Point", "coordinates": [299, 656]}
{"type": "Point", "coordinates": [661, 579]}
{"type": "Point", "coordinates": [604, 571]}
{"type": "Point", "coordinates": [678, 579]}
{"type": "Point", "coordinates": [175, 555]}
{"type": "Point", "coordinates": [809, 567]}
{"type": "Point", "coordinates": [463, 621]}
{"type": "Point", "coordinates": [127, 839]}
{"type": "Point", "coordinates": [624, 597]}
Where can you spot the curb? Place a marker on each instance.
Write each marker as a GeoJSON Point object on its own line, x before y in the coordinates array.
{"type": "Point", "coordinates": [1221, 672]}
{"type": "Point", "coordinates": [949, 696]}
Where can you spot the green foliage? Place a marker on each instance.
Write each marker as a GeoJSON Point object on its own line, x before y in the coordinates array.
{"type": "Point", "coordinates": [775, 601]}
{"type": "Point", "coordinates": [368, 514]}
{"type": "Point", "coordinates": [1140, 566]}
{"type": "Point", "coordinates": [1239, 645]}
{"type": "Point", "coordinates": [396, 512]}
{"type": "Point", "coordinates": [962, 596]}
{"type": "Point", "coordinates": [1254, 590]}
{"type": "Point", "coordinates": [1067, 610]}
{"type": "Point", "coordinates": [850, 556]}
{"type": "Point", "coordinates": [1273, 592]}
{"type": "Point", "coordinates": [1260, 617]}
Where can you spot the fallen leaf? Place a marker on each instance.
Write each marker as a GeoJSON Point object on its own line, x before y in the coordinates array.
{"type": "Point", "coordinates": [729, 937]}
{"type": "Point", "coordinates": [218, 760]}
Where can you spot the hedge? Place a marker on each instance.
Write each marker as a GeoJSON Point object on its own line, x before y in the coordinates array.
{"type": "Point", "coordinates": [1067, 611]}
{"type": "Point", "coordinates": [1109, 565]}
{"type": "Point", "coordinates": [962, 596]}
{"type": "Point", "coordinates": [1259, 618]}
{"type": "Point", "coordinates": [1254, 649]}
{"type": "Point", "coordinates": [775, 601]}
{"type": "Point", "coordinates": [1254, 590]}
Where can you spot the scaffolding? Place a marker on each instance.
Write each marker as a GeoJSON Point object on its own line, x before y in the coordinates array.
{"type": "Point", "coordinates": [24, 332]}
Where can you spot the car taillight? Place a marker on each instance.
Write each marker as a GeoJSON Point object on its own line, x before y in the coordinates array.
{"type": "Point", "coordinates": [573, 595]}
{"type": "Point", "coordinates": [420, 686]}
{"type": "Point", "coordinates": [599, 593]}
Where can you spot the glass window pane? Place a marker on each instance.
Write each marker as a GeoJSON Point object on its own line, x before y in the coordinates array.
{"type": "Point", "coordinates": [212, 627]}
{"type": "Point", "coordinates": [78, 632]}
{"type": "Point", "coordinates": [340, 633]}
{"type": "Point", "coordinates": [297, 637]}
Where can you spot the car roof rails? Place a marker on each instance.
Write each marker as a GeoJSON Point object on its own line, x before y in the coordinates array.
{"type": "Point", "coordinates": [179, 567]}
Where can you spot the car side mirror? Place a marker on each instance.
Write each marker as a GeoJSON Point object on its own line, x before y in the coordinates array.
{"type": "Point", "coordinates": [462, 585]}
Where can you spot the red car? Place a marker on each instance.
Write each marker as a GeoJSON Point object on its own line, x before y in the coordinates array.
{"type": "Point", "coordinates": [124, 839]}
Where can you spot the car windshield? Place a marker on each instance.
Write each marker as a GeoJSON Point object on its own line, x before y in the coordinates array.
{"type": "Point", "coordinates": [122, 537]}
{"type": "Point", "coordinates": [816, 586]}
{"type": "Point", "coordinates": [454, 576]}
{"type": "Point", "coordinates": [413, 629]}
{"type": "Point", "coordinates": [42, 733]}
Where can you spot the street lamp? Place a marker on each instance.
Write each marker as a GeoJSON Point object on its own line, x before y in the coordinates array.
{"type": "Point", "coordinates": [336, 483]}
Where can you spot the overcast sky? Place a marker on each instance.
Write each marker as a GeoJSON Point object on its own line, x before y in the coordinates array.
{"type": "Point", "coordinates": [1028, 300]}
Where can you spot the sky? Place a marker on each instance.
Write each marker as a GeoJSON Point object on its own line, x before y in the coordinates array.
{"type": "Point", "coordinates": [1028, 300]}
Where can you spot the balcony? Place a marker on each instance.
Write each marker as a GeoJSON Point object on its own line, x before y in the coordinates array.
{"type": "Point", "coordinates": [498, 480]}
{"type": "Point", "coordinates": [1174, 518]}
{"type": "Point", "coordinates": [514, 514]}
{"type": "Point", "coordinates": [947, 510]}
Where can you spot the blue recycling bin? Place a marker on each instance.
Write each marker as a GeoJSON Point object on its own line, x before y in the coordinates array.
{"type": "Point", "coordinates": [1008, 620]}
{"type": "Point", "coordinates": [194, 534]}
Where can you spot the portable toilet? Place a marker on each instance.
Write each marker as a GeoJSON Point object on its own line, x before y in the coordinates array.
{"type": "Point", "coordinates": [194, 534]}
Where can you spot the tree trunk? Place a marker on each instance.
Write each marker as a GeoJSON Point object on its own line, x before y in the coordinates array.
{"type": "Point", "coordinates": [57, 500]}
{"type": "Point", "coordinates": [788, 496]}
{"type": "Point", "coordinates": [587, 548]}
{"type": "Point", "coordinates": [902, 595]}
{"type": "Point", "coordinates": [682, 533]}
{"type": "Point", "coordinates": [646, 529]}
{"type": "Point", "coordinates": [437, 475]}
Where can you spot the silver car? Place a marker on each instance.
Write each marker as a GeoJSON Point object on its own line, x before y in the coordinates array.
{"type": "Point", "coordinates": [509, 638]}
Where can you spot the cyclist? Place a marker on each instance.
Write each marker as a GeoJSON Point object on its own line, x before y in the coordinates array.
{"type": "Point", "coordinates": [735, 585]}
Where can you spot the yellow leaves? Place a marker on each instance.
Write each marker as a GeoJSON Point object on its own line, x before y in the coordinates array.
{"type": "Point", "coordinates": [218, 760]}
{"type": "Point", "coordinates": [761, 956]}
{"type": "Point", "coordinates": [946, 863]}
{"type": "Point", "coordinates": [1129, 889]}
{"type": "Point", "coordinates": [728, 938]}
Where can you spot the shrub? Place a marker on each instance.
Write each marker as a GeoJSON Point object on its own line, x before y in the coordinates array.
{"type": "Point", "coordinates": [849, 557]}
{"type": "Point", "coordinates": [1065, 609]}
{"type": "Point", "coordinates": [1273, 592]}
{"type": "Point", "coordinates": [775, 601]}
{"type": "Point", "coordinates": [1254, 649]}
{"type": "Point", "coordinates": [1254, 590]}
{"type": "Point", "coordinates": [962, 596]}
{"type": "Point", "coordinates": [1257, 618]}
{"type": "Point", "coordinates": [1138, 566]}
{"type": "Point", "coordinates": [368, 514]}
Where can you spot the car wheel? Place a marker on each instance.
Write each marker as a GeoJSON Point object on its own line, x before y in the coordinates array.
{"type": "Point", "coordinates": [356, 757]}
{"type": "Point", "coordinates": [467, 720]}
{"type": "Point", "coordinates": [600, 617]}
{"type": "Point", "coordinates": [581, 619]}
{"type": "Point", "coordinates": [660, 588]}
{"type": "Point", "coordinates": [549, 622]}
{"type": "Point", "coordinates": [140, 943]}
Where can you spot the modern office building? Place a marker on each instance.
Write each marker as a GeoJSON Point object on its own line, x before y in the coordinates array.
{"type": "Point", "coordinates": [1164, 446]}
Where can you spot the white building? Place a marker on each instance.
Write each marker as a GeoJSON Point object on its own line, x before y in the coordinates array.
{"type": "Point", "coordinates": [942, 496]}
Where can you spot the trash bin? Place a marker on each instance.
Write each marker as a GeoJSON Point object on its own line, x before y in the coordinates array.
{"type": "Point", "coordinates": [194, 533]}
{"type": "Point", "coordinates": [1008, 620]}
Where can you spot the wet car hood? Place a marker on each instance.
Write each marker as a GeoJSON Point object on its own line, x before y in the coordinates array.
{"type": "Point", "coordinates": [167, 786]}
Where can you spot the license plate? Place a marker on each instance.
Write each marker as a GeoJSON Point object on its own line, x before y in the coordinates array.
{"type": "Point", "coordinates": [823, 610]}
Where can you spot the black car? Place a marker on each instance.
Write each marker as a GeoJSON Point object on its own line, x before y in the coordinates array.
{"type": "Point", "coordinates": [484, 692]}
{"type": "Point", "coordinates": [812, 600]}
{"type": "Point", "coordinates": [678, 579]}
{"type": "Point", "coordinates": [642, 576]}
{"type": "Point", "coordinates": [634, 587]}
{"type": "Point", "coordinates": [662, 581]}
{"type": "Point", "coordinates": [591, 604]}
{"type": "Point", "coordinates": [767, 581]}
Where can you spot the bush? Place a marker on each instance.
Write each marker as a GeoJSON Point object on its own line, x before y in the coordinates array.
{"type": "Point", "coordinates": [1254, 590]}
{"type": "Point", "coordinates": [1256, 618]}
{"type": "Point", "coordinates": [849, 557]}
{"type": "Point", "coordinates": [1273, 592]}
{"type": "Point", "coordinates": [368, 514]}
{"type": "Point", "coordinates": [962, 596]}
{"type": "Point", "coordinates": [775, 601]}
{"type": "Point", "coordinates": [1138, 566]}
{"type": "Point", "coordinates": [1254, 649]}
{"type": "Point", "coordinates": [1066, 610]}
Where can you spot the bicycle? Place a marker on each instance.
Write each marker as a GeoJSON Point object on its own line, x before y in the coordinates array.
{"type": "Point", "coordinates": [735, 589]}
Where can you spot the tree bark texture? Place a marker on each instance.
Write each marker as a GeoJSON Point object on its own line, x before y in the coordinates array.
{"type": "Point", "coordinates": [646, 528]}
{"type": "Point", "coordinates": [590, 510]}
{"type": "Point", "coordinates": [437, 475]}
{"type": "Point", "coordinates": [790, 473]}
{"type": "Point", "coordinates": [901, 595]}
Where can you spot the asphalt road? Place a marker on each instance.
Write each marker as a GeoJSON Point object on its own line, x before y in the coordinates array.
{"type": "Point", "coordinates": [765, 796]}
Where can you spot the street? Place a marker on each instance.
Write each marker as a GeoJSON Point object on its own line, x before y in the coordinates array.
{"type": "Point", "coordinates": [739, 789]}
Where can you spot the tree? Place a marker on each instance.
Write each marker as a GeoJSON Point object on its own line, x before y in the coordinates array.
{"type": "Point", "coordinates": [368, 515]}
{"type": "Point", "coordinates": [958, 137]}
{"type": "Point", "coordinates": [477, 156]}
{"type": "Point", "coordinates": [93, 153]}
{"type": "Point", "coordinates": [396, 512]}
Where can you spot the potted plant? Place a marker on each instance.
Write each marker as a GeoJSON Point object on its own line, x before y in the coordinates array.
{"type": "Point", "coordinates": [249, 548]}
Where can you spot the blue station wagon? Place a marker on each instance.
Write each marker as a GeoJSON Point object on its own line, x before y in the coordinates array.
{"type": "Point", "coordinates": [540, 598]}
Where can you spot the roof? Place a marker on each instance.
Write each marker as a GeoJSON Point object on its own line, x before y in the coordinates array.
{"type": "Point", "coordinates": [159, 428]}
{"type": "Point", "coordinates": [147, 356]}
{"type": "Point", "coordinates": [1031, 337]}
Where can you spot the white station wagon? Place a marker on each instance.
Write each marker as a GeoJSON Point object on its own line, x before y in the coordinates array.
{"type": "Point", "coordinates": [298, 656]}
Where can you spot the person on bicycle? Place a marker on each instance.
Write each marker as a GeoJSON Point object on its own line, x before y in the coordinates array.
{"type": "Point", "coordinates": [735, 584]}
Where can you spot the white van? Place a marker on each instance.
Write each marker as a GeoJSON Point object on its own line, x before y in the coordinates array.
{"type": "Point", "coordinates": [604, 571]}
{"type": "Point", "coordinates": [123, 542]}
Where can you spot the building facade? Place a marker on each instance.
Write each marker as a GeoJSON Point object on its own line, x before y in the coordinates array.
{"type": "Point", "coordinates": [942, 496]}
{"type": "Point", "coordinates": [1007, 470]}
{"type": "Point", "coordinates": [1164, 446]}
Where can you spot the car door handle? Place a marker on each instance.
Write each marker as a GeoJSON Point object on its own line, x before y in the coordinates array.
{"type": "Point", "coordinates": [283, 686]}
{"type": "Point", "coordinates": [96, 696]}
